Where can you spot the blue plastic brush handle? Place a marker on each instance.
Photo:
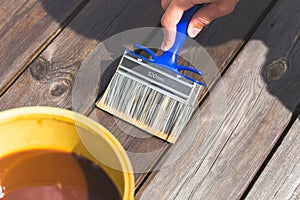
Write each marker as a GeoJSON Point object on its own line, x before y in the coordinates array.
{"type": "Point", "coordinates": [169, 58]}
{"type": "Point", "coordinates": [181, 29]}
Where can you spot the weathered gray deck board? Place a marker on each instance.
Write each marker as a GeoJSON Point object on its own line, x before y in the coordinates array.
{"type": "Point", "coordinates": [26, 27]}
{"type": "Point", "coordinates": [221, 40]}
{"type": "Point", "coordinates": [8, 9]}
{"type": "Point", "coordinates": [141, 149]}
{"type": "Point", "coordinates": [50, 78]}
{"type": "Point", "coordinates": [281, 177]}
{"type": "Point", "coordinates": [235, 129]}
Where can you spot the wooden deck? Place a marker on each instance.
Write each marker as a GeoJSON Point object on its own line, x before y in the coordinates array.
{"type": "Point", "coordinates": [242, 143]}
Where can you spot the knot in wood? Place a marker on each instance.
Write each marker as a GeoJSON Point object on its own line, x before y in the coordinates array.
{"type": "Point", "coordinates": [59, 88]}
{"type": "Point", "coordinates": [38, 69]}
{"type": "Point", "coordinates": [275, 70]}
{"type": "Point", "coordinates": [57, 91]}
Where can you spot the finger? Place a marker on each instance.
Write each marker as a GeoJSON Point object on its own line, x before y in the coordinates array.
{"type": "Point", "coordinates": [169, 39]}
{"type": "Point", "coordinates": [207, 14]}
{"type": "Point", "coordinates": [169, 21]}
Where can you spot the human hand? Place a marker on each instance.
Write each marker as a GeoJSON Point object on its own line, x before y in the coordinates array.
{"type": "Point", "coordinates": [174, 10]}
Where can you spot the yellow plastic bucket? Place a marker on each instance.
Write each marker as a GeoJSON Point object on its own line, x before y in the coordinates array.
{"type": "Point", "coordinates": [32, 128]}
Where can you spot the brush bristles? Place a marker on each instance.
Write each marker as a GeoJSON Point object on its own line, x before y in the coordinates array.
{"type": "Point", "coordinates": [145, 108]}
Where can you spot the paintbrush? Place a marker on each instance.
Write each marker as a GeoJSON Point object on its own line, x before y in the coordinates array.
{"type": "Point", "coordinates": [152, 93]}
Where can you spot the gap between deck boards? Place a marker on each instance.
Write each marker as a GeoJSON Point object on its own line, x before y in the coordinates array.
{"type": "Point", "coordinates": [223, 70]}
{"type": "Point", "coordinates": [227, 65]}
{"type": "Point", "coordinates": [294, 117]}
{"type": "Point", "coordinates": [282, 135]}
{"type": "Point", "coordinates": [43, 46]}
{"type": "Point", "coordinates": [204, 97]}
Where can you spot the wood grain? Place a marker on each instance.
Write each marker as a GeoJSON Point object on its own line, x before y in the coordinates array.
{"type": "Point", "coordinates": [228, 34]}
{"type": "Point", "coordinates": [8, 9]}
{"type": "Point", "coordinates": [281, 177]}
{"type": "Point", "coordinates": [210, 37]}
{"type": "Point", "coordinates": [141, 148]}
{"type": "Point", "coordinates": [67, 50]}
{"type": "Point", "coordinates": [25, 29]}
{"type": "Point", "coordinates": [50, 78]}
{"type": "Point", "coordinates": [221, 35]}
{"type": "Point", "coordinates": [239, 123]}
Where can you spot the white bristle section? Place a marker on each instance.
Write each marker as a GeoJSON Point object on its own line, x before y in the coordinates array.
{"type": "Point", "coordinates": [146, 108]}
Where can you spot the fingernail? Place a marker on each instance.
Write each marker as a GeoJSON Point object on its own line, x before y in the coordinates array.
{"type": "Point", "coordinates": [193, 32]}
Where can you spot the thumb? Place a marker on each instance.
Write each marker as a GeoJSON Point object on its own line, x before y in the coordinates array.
{"type": "Point", "coordinates": [205, 15]}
